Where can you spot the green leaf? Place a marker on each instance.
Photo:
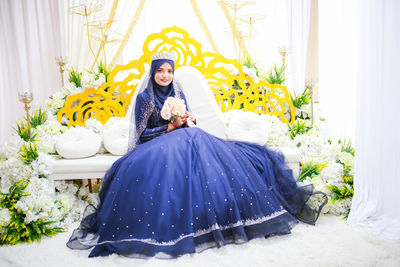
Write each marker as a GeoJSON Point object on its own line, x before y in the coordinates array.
{"type": "Point", "coordinates": [75, 77]}
{"type": "Point", "coordinates": [347, 146]}
{"type": "Point", "coordinates": [276, 75]}
{"type": "Point", "coordinates": [29, 153]}
{"type": "Point", "coordinates": [23, 131]}
{"type": "Point", "coordinates": [38, 118]}
{"type": "Point", "coordinates": [299, 127]}
{"type": "Point", "coordinates": [311, 169]}
{"type": "Point", "coordinates": [302, 99]}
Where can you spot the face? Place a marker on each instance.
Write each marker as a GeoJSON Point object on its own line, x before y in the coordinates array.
{"type": "Point", "coordinates": [164, 74]}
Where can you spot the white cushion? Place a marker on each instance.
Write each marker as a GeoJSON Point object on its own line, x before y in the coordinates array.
{"type": "Point", "coordinates": [247, 126]}
{"type": "Point", "coordinates": [116, 135]}
{"type": "Point", "coordinates": [201, 100]}
{"type": "Point", "coordinates": [78, 142]}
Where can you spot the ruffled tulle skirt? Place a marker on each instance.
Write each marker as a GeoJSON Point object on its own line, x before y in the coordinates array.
{"type": "Point", "coordinates": [187, 191]}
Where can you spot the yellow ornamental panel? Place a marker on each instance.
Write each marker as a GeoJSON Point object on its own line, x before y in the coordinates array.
{"type": "Point", "coordinates": [231, 87]}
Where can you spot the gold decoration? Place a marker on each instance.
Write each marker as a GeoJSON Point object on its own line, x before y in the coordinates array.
{"type": "Point", "coordinates": [251, 20]}
{"type": "Point", "coordinates": [86, 10]}
{"type": "Point", "coordinates": [237, 35]}
{"type": "Point", "coordinates": [283, 52]}
{"type": "Point", "coordinates": [231, 91]}
{"type": "Point", "coordinates": [26, 97]}
{"type": "Point", "coordinates": [128, 33]}
{"type": "Point", "coordinates": [105, 33]}
{"type": "Point", "coordinates": [204, 25]}
{"type": "Point", "coordinates": [312, 86]}
{"type": "Point", "coordinates": [62, 62]}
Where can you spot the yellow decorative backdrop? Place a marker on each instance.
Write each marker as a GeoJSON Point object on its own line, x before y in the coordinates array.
{"type": "Point", "coordinates": [231, 91]}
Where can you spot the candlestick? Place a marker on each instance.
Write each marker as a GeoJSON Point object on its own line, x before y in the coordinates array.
{"type": "Point", "coordinates": [283, 52]}
{"type": "Point", "coordinates": [62, 62]}
{"type": "Point", "coordinates": [311, 85]}
{"type": "Point", "coordinates": [26, 97]}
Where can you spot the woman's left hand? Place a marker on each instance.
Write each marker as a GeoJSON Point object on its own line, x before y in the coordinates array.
{"type": "Point", "coordinates": [190, 116]}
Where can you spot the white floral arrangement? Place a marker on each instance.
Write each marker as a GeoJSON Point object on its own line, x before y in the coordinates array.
{"type": "Point", "coordinates": [25, 162]}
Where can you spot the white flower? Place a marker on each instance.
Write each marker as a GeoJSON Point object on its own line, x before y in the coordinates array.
{"type": "Point", "coordinates": [252, 72]}
{"type": "Point", "coordinates": [89, 80]}
{"type": "Point", "coordinates": [52, 128]}
{"type": "Point", "coordinates": [11, 148]}
{"type": "Point", "coordinates": [45, 143]}
{"type": "Point", "coordinates": [347, 159]}
{"type": "Point", "coordinates": [278, 132]}
{"type": "Point", "coordinates": [5, 216]}
{"type": "Point", "coordinates": [71, 89]}
{"type": "Point", "coordinates": [43, 165]}
{"type": "Point", "coordinates": [66, 203]}
{"type": "Point", "coordinates": [94, 125]}
{"type": "Point", "coordinates": [332, 173]}
{"type": "Point", "coordinates": [319, 184]}
{"type": "Point", "coordinates": [82, 192]}
{"type": "Point", "coordinates": [339, 208]}
{"type": "Point", "coordinates": [92, 198]}
{"type": "Point", "coordinates": [13, 170]}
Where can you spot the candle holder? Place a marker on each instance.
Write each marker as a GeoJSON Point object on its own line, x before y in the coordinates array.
{"type": "Point", "coordinates": [283, 52]}
{"type": "Point", "coordinates": [26, 97]}
{"type": "Point", "coordinates": [62, 62]}
{"type": "Point", "coordinates": [311, 85]}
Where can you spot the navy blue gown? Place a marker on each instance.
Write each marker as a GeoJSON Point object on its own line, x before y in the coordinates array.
{"type": "Point", "coordinates": [186, 191]}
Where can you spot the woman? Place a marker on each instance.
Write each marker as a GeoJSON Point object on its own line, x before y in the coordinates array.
{"type": "Point", "coordinates": [180, 190]}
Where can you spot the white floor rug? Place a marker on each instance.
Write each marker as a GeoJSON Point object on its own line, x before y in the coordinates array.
{"type": "Point", "coordinates": [330, 243]}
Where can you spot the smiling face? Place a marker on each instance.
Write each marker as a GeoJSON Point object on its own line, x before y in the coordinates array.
{"type": "Point", "coordinates": [164, 74]}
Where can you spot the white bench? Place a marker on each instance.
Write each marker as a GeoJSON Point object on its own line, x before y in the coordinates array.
{"type": "Point", "coordinates": [203, 106]}
{"type": "Point", "coordinates": [95, 167]}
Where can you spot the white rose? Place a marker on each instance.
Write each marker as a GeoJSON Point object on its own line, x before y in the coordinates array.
{"type": "Point", "coordinates": [5, 216]}
{"type": "Point", "coordinates": [347, 159]}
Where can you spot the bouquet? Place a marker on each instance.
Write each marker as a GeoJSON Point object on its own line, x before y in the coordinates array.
{"type": "Point", "coordinates": [173, 108]}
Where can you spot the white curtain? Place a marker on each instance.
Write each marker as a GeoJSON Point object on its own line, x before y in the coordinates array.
{"type": "Point", "coordinates": [337, 66]}
{"type": "Point", "coordinates": [377, 165]}
{"type": "Point", "coordinates": [74, 32]}
{"type": "Point", "coordinates": [269, 32]}
{"type": "Point", "coordinates": [29, 43]}
{"type": "Point", "coordinates": [299, 26]}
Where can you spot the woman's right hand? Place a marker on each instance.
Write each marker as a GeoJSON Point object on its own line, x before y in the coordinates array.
{"type": "Point", "coordinates": [177, 123]}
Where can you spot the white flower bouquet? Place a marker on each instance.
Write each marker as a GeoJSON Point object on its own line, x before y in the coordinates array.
{"type": "Point", "coordinates": [173, 108]}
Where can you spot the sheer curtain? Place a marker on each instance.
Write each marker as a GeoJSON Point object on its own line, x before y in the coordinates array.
{"type": "Point", "coordinates": [299, 25]}
{"type": "Point", "coordinates": [73, 30]}
{"type": "Point", "coordinates": [28, 45]}
{"type": "Point", "coordinates": [337, 66]}
{"type": "Point", "coordinates": [377, 168]}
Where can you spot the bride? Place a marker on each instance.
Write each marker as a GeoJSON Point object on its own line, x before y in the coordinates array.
{"type": "Point", "coordinates": [181, 190]}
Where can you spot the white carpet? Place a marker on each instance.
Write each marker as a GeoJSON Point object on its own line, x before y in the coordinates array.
{"type": "Point", "coordinates": [330, 243]}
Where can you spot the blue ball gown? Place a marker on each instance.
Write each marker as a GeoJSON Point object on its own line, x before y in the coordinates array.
{"type": "Point", "coordinates": [186, 191]}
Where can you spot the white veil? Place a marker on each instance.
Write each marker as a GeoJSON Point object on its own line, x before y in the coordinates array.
{"type": "Point", "coordinates": [136, 128]}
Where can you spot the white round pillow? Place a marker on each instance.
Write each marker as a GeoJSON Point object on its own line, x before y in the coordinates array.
{"type": "Point", "coordinates": [247, 126]}
{"type": "Point", "coordinates": [116, 135]}
{"type": "Point", "coordinates": [78, 142]}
